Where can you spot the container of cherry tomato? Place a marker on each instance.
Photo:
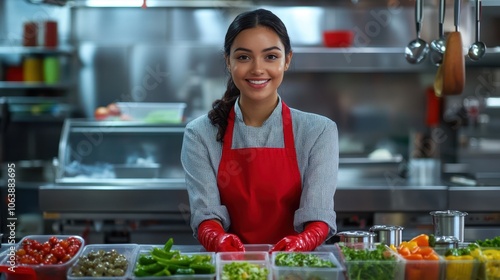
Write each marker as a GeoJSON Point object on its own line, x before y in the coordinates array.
{"type": "Point", "coordinates": [50, 256]}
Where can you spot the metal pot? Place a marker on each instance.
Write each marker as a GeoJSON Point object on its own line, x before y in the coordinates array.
{"type": "Point", "coordinates": [449, 223]}
{"type": "Point", "coordinates": [443, 243]}
{"type": "Point", "coordinates": [356, 236]}
{"type": "Point", "coordinates": [386, 234]}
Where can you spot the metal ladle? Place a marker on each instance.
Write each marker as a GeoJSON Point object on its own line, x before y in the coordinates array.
{"type": "Point", "coordinates": [438, 46]}
{"type": "Point", "coordinates": [417, 49]}
{"type": "Point", "coordinates": [478, 48]}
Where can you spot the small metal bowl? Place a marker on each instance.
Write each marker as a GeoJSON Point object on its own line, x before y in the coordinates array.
{"type": "Point", "coordinates": [356, 237]}
{"type": "Point", "coordinates": [388, 234]}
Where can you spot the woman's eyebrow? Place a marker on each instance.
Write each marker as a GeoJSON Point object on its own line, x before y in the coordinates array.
{"type": "Point", "coordinates": [264, 50]}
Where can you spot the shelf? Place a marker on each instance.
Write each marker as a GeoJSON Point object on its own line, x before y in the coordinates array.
{"type": "Point", "coordinates": [34, 85]}
{"type": "Point", "coordinates": [371, 59]}
{"type": "Point", "coordinates": [63, 50]}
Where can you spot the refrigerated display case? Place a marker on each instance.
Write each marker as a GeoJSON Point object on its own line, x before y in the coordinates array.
{"type": "Point", "coordinates": [118, 181]}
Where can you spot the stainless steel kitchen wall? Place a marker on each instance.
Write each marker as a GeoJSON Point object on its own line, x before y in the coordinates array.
{"type": "Point", "coordinates": [175, 55]}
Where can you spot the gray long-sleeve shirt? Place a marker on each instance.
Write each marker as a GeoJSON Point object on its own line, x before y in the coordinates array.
{"type": "Point", "coordinates": [316, 145]}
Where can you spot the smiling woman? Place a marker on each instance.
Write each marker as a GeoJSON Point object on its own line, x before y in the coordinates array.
{"type": "Point", "coordinates": [257, 171]}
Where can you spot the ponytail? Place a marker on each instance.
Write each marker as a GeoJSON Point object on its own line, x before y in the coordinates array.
{"type": "Point", "coordinates": [221, 107]}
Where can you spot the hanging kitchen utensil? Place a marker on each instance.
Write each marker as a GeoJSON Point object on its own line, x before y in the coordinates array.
{"type": "Point", "coordinates": [478, 48]}
{"type": "Point", "coordinates": [417, 49]}
{"type": "Point", "coordinates": [453, 72]}
{"type": "Point", "coordinates": [438, 81]}
{"type": "Point", "coordinates": [438, 46]}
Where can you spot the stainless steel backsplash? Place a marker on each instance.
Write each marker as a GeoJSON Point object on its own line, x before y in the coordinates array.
{"type": "Point", "coordinates": [174, 54]}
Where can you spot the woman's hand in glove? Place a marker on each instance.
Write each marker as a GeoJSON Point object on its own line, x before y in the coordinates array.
{"type": "Point", "coordinates": [313, 235]}
{"type": "Point", "coordinates": [213, 237]}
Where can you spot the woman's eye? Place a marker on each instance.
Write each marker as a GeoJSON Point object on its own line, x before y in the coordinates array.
{"type": "Point", "coordinates": [243, 57]}
{"type": "Point", "coordinates": [272, 57]}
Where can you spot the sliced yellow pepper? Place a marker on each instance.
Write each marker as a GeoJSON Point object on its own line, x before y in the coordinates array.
{"type": "Point", "coordinates": [459, 267]}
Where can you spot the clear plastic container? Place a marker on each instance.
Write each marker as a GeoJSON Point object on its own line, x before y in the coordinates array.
{"type": "Point", "coordinates": [153, 112]}
{"type": "Point", "coordinates": [251, 247]}
{"type": "Point", "coordinates": [254, 258]}
{"type": "Point", "coordinates": [184, 250]}
{"type": "Point", "coordinates": [460, 268]}
{"type": "Point", "coordinates": [258, 247]}
{"type": "Point", "coordinates": [317, 273]}
{"type": "Point", "coordinates": [425, 269]}
{"type": "Point", "coordinates": [373, 269]}
{"type": "Point", "coordinates": [490, 269]}
{"type": "Point", "coordinates": [128, 250]}
{"type": "Point", "coordinates": [52, 271]}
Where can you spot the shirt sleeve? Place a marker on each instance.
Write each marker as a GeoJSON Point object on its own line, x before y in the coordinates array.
{"type": "Point", "coordinates": [319, 180]}
{"type": "Point", "coordinates": [201, 178]}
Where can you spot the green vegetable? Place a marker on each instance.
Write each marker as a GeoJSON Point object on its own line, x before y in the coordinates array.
{"type": "Point", "coordinates": [244, 271]}
{"type": "Point", "coordinates": [366, 264]}
{"type": "Point", "coordinates": [146, 259]}
{"type": "Point", "coordinates": [202, 268]}
{"type": "Point", "coordinates": [152, 268]}
{"type": "Point", "coordinates": [458, 252]}
{"type": "Point", "coordinates": [168, 245]}
{"type": "Point", "coordinates": [301, 260]}
{"type": "Point", "coordinates": [490, 243]}
{"type": "Point", "coordinates": [140, 272]}
{"type": "Point", "coordinates": [163, 272]}
{"type": "Point", "coordinates": [432, 240]}
{"type": "Point", "coordinates": [165, 262]}
{"type": "Point", "coordinates": [160, 253]}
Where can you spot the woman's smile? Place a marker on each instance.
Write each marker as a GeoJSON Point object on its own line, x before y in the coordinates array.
{"type": "Point", "coordinates": [258, 83]}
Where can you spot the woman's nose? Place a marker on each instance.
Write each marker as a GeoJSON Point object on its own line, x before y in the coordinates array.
{"type": "Point", "coordinates": [257, 68]}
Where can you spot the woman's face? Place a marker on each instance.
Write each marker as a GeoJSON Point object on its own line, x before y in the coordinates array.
{"type": "Point", "coordinates": [257, 62]}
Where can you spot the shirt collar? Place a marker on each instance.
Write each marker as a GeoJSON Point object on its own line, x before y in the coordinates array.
{"type": "Point", "coordinates": [274, 115]}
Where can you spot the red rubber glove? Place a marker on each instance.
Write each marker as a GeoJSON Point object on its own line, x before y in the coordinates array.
{"type": "Point", "coordinates": [213, 237]}
{"type": "Point", "coordinates": [313, 235]}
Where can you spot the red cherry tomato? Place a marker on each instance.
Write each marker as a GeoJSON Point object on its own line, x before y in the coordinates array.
{"type": "Point", "coordinates": [58, 252]}
{"type": "Point", "coordinates": [53, 240]}
{"type": "Point", "coordinates": [73, 249]}
{"type": "Point", "coordinates": [64, 244]}
{"type": "Point", "coordinates": [21, 252]}
{"type": "Point", "coordinates": [36, 245]}
{"type": "Point", "coordinates": [73, 240]}
{"type": "Point", "coordinates": [66, 258]}
{"type": "Point", "coordinates": [46, 247]}
{"type": "Point", "coordinates": [50, 259]}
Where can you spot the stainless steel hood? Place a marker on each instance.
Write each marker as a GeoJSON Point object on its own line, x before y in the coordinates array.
{"type": "Point", "coordinates": [382, 31]}
{"type": "Point", "coordinates": [238, 3]}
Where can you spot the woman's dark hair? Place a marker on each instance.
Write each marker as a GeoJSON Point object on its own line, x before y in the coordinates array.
{"type": "Point", "coordinates": [260, 17]}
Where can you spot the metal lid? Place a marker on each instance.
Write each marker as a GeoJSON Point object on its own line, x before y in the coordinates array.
{"type": "Point", "coordinates": [386, 228]}
{"type": "Point", "coordinates": [356, 234]}
{"type": "Point", "coordinates": [449, 213]}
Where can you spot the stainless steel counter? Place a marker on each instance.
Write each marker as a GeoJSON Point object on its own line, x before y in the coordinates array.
{"type": "Point", "coordinates": [161, 209]}
{"type": "Point", "coordinates": [375, 197]}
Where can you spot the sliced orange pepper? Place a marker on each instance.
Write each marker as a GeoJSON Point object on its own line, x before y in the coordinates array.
{"type": "Point", "coordinates": [431, 257]}
{"type": "Point", "coordinates": [404, 251]}
{"type": "Point", "coordinates": [421, 239]}
{"type": "Point", "coordinates": [414, 257]}
{"type": "Point", "coordinates": [425, 251]}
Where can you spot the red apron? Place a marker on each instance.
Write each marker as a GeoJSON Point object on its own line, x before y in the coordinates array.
{"type": "Point", "coordinates": [260, 187]}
